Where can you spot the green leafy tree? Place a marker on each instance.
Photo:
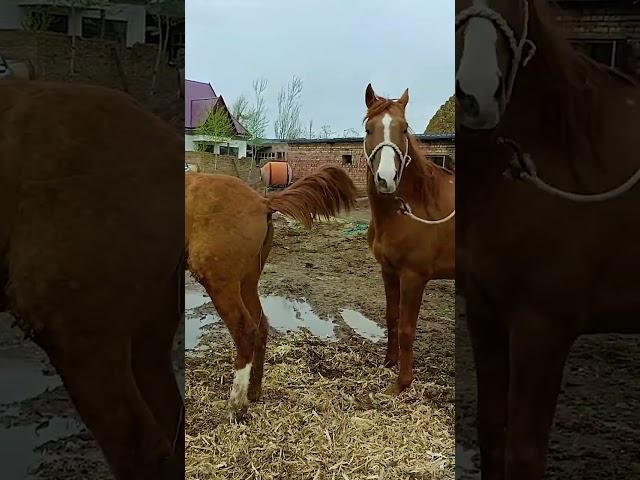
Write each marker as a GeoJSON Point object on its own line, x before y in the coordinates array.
{"type": "Point", "coordinates": [217, 127]}
{"type": "Point", "coordinates": [444, 120]}
{"type": "Point", "coordinates": [37, 19]}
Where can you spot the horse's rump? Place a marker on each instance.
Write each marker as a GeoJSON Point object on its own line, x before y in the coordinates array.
{"type": "Point", "coordinates": [71, 201]}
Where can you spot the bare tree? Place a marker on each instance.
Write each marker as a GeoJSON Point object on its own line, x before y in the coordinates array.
{"type": "Point", "coordinates": [326, 132]}
{"type": "Point", "coordinates": [167, 13]}
{"type": "Point", "coordinates": [351, 132]}
{"type": "Point", "coordinates": [287, 124]}
{"type": "Point", "coordinates": [311, 132]}
{"type": "Point", "coordinates": [256, 121]}
{"type": "Point", "coordinates": [73, 6]}
{"type": "Point", "coordinates": [240, 108]}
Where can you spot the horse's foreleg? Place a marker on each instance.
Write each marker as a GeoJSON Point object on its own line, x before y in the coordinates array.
{"type": "Point", "coordinates": [155, 377]}
{"type": "Point", "coordinates": [491, 356]}
{"type": "Point", "coordinates": [411, 291]}
{"type": "Point", "coordinates": [231, 308]}
{"type": "Point", "coordinates": [392, 294]}
{"type": "Point", "coordinates": [97, 374]}
{"type": "Point", "coordinates": [538, 351]}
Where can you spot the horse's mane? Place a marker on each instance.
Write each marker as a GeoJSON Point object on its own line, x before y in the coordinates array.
{"type": "Point", "coordinates": [425, 182]}
{"type": "Point", "coordinates": [572, 83]}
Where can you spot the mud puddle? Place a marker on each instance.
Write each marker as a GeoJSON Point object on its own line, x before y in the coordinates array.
{"type": "Point", "coordinates": [466, 460]}
{"type": "Point", "coordinates": [24, 447]}
{"type": "Point", "coordinates": [285, 315]}
{"type": "Point", "coordinates": [26, 377]}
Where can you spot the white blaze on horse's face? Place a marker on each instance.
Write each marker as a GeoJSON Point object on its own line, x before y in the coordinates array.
{"type": "Point", "coordinates": [386, 174]}
{"type": "Point", "coordinates": [478, 79]}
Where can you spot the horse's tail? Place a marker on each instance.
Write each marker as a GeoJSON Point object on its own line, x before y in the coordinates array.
{"type": "Point", "coordinates": [322, 194]}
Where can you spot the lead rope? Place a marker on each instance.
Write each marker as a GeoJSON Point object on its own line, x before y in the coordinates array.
{"type": "Point", "coordinates": [522, 167]}
{"type": "Point", "coordinates": [177, 435]}
{"type": "Point", "coordinates": [405, 159]}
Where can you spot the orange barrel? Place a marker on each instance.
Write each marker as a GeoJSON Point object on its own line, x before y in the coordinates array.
{"type": "Point", "coordinates": [277, 174]}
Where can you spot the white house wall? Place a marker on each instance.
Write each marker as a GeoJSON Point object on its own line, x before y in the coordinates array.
{"type": "Point", "coordinates": [191, 140]}
{"type": "Point", "coordinates": [12, 15]}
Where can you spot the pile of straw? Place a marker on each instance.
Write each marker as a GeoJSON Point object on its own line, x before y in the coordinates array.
{"type": "Point", "coordinates": [322, 416]}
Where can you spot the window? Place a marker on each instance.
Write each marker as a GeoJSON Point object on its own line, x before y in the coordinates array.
{"type": "Point", "coordinates": [57, 23]}
{"type": "Point", "coordinates": [115, 30]}
{"type": "Point", "coordinates": [603, 51]}
{"type": "Point", "coordinates": [347, 159]}
{"type": "Point", "coordinates": [440, 160]}
{"type": "Point", "coordinates": [224, 150]}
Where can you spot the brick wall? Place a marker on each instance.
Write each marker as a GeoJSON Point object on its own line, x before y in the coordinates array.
{"type": "Point", "coordinates": [95, 63]}
{"type": "Point", "coordinates": [621, 24]}
{"type": "Point", "coordinates": [305, 158]}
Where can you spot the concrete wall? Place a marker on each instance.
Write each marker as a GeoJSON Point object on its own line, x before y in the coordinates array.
{"type": "Point", "coordinates": [305, 158]}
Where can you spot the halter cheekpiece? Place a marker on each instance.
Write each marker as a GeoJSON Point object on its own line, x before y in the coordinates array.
{"type": "Point", "coordinates": [405, 158]}
{"type": "Point", "coordinates": [517, 46]}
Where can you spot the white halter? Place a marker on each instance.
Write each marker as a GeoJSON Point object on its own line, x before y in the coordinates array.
{"type": "Point", "coordinates": [405, 158]}
{"type": "Point", "coordinates": [522, 165]}
{"type": "Point", "coordinates": [517, 47]}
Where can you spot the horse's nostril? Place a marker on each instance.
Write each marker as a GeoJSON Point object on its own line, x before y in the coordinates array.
{"type": "Point", "coordinates": [381, 181]}
{"type": "Point", "coordinates": [468, 102]}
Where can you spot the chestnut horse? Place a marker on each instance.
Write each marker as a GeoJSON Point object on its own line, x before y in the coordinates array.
{"type": "Point", "coordinates": [91, 260]}
{"type": "Point", "coordinates": [228, 237]}
{"type": "Point", "coordinates": [536, 261]}
{"type": "Point", "coordinates": [401, 180]}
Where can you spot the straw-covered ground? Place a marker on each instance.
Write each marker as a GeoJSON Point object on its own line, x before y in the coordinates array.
{"type": "Point", "coordinates": [323, 414]}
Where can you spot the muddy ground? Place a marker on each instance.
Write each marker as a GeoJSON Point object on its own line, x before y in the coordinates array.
{"type": "Point", "coordinates": [41, 435]}
{"type": "Point", "coordinates": [330, 269]}
{"type": "Point", "coordinates": [597, 421]}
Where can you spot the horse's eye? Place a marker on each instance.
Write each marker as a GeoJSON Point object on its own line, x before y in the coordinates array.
{"type": "Point", "coordinates": [404, 131]}
{"type": "Point", "coordinates": [367, 131]}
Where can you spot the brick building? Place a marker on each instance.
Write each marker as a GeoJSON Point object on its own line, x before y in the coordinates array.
{"type": "Point", "coordinates": [606, 30]}
{"type": "Point", "coordinates": [305, 156]}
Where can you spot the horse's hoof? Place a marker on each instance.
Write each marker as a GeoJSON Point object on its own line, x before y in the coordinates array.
{"type": "Point", "coordinates": [392, 390]}
{"type": "Point", "coordinates": [254, 395]}
{"type": "Point", "coordinates": [238, 414]}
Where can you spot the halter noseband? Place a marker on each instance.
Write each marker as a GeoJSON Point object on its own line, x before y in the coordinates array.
{"type": "Point", "coordinates": [516, 46]}
{"type": "Point", "coordinates": [405, 158]}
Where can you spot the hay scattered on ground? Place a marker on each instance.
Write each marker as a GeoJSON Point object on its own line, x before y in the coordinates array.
{"type": "Point", "coordinates": [322, 416]}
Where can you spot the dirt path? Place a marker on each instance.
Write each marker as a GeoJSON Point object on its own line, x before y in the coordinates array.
{"type": "Point", "coordinates": [332, 269]}
{"type": "Point", "coordinates": [597, 421]}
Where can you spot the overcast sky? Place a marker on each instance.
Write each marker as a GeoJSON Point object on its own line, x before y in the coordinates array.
{"type": "Point", "coordinates": [335, 46]}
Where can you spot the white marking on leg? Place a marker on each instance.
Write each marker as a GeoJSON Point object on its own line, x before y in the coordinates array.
{"type": "Point", "coordinates": [240, 386]}
{"type": "Point", "coordinates": [387, 166]}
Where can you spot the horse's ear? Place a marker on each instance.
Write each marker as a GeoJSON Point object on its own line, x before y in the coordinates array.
{"type": "Point", "coordinates": [404, 99]}
{"type": "Point", "coordinates": [369, 96]}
